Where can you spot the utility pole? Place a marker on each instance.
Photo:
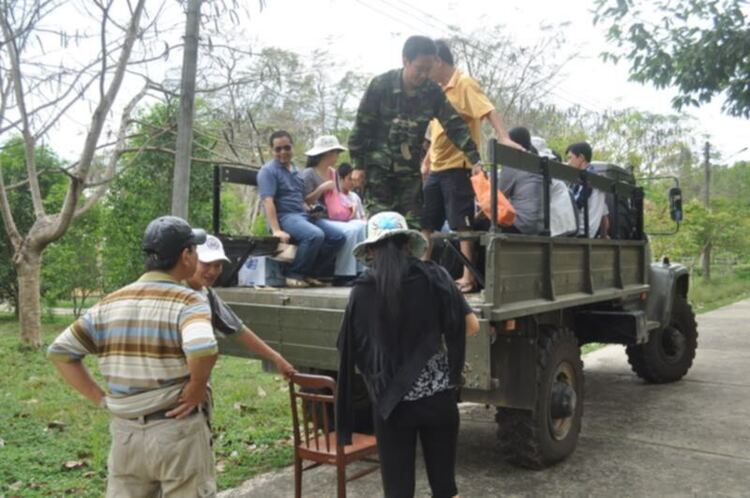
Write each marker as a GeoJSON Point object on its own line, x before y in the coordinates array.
{"type": "Point", "coordinates": [183, 148]}
{"type": "Point", "coordinates": [706, 257]}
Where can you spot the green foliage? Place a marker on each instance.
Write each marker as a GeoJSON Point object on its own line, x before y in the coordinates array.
{"type": "Point", "coordinates": [251, 433]}
{"type": "Point", "coordinates": [13, 164]}
{"type": "Point", "coordinates": [651, 143]}
{"type": "Point", "coordinates": [698, 46]}
{"type": "Point", "coordinates": [142, 192]}
{"type": "Point", "coordinates": [71, 269]}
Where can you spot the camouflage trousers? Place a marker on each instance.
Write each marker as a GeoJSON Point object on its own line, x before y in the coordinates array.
{"type": "Point", "coordinates": [401, 191]}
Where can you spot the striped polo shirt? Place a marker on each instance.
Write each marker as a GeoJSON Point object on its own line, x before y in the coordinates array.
{"type": "Point", "coordinates": [142, 335]}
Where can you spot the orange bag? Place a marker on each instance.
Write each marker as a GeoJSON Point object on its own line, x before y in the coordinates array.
{"type": "Point", "coordinates": [506, 215]}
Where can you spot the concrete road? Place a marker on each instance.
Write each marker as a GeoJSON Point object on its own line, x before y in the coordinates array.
{"type": "Point", "coordinates": [690, 438]}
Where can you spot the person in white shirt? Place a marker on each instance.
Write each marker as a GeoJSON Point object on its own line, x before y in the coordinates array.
{"type": "Point", "coordinates": [578, 155]}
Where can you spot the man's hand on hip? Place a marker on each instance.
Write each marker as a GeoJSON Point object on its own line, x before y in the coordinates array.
{"type": "Point", "coordinates": [193, 395]}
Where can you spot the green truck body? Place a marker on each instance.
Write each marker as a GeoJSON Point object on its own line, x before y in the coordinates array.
{"type": "Point", "coordinates": [543, 297]}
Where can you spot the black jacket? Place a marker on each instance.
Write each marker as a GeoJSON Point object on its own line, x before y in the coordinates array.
{"type": "Point", "coordinates": [434, 311]}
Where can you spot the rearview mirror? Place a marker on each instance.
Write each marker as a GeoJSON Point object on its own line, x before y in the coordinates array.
{"type": "Point", "coordinates": [675, 204]}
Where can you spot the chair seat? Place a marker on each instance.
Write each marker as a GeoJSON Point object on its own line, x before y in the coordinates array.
{"type": "Point", "coordinates": [361, 443]}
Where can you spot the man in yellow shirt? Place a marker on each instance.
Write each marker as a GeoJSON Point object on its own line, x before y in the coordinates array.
{"type": "Point", "coordinates": [448, 193]}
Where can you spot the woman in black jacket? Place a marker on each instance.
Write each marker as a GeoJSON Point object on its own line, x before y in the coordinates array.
{"type": "Point", "coordinates": [405, 330]}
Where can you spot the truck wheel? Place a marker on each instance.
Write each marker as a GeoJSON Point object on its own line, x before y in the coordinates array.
{"type": "Point", "coordinates": [669, 352]}
{"type": "Point", "coordinates": [548, 434]}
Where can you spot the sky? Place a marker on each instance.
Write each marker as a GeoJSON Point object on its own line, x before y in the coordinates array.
{"type": "Point", "coordinates": [367, 36]}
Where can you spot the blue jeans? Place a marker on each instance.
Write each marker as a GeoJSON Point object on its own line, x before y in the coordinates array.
{"type": "Point", "coordinates": [355, 231]}
{"type": "Point", "coordinates": [317, 241]}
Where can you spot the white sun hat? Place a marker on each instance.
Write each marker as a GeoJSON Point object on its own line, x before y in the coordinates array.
{"type": "Point", "coordinates": [389, 224]}
{"type": "Point", "coordinates": [212, 250]}
{"type": "Point", "coordinates": [325, 143]}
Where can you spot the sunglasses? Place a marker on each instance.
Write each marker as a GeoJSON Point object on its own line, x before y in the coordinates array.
{"type": "Point", "coordinates": [284, 148]}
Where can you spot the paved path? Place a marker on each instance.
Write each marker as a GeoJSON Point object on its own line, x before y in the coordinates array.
{"type": "Point", "coordinates": [690, 438]}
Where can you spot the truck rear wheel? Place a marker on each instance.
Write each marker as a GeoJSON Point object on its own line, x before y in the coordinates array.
{"type": "Point", "coordinates": [548, 434]}
{"type": "Point", "coordinates": [669, 352]}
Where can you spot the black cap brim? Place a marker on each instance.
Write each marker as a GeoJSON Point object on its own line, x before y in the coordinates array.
{"type": "Point", "coordinates": [198, 237]}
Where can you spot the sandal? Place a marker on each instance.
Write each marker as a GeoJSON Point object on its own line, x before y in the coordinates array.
{"type": "Point", "coordinates": [296, 283]}
{"type": "Point", "coordinates": [314, 282]}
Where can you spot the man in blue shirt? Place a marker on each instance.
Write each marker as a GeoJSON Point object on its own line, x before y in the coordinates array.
{"type": "Point", "coordinates": [281, 188]}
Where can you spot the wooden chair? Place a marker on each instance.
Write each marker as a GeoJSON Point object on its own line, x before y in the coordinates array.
{"type": "Point", "coordinates": [315, 437]}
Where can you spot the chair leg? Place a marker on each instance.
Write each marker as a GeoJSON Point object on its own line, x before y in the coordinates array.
{"type": "Point", "coordinates": [297, 477]}
{"type": "Point", "coordinates": [341, 475]}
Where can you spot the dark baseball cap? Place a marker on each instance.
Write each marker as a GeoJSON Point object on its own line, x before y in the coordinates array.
{"type": "Point", "coordinates": [168, 235]}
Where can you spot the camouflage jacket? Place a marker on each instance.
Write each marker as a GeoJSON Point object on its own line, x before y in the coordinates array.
{"type": "Point", "coordinates": [390, 126]}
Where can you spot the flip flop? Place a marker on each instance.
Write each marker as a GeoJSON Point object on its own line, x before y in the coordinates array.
{"type": "Point", "coordinates": [314, 282]}
{"type": "Point", "coordinates": [296, 283]}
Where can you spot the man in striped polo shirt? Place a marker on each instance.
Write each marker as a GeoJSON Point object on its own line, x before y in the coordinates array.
{"type": "Point", "coordinates": [155, 348]}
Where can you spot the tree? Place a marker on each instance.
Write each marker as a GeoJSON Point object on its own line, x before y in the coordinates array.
{"type": "Point", "coordinates": [72, 269]}
{"type": "Point", "coordinates": [651, 143]}
{"type": "Point", "coordinates": [516, 78]}
{"type": "Point", "coordinates": [12, 159]}
{"type": "Point", "coordinates": [698, 46]}
{"type": "Point", "coordinates": [141, 191]}
{"type": "Point", "coordinates": [181, 184]}
{"type": "Point", "coordinates": [35, 92]}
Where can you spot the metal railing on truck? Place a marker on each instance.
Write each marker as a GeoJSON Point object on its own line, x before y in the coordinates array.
{"type": "Point", "coordinates": [549, 168]}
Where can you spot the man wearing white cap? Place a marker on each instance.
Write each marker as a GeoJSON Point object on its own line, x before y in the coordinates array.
{"type": "Point", "coordinates": [211, 258]}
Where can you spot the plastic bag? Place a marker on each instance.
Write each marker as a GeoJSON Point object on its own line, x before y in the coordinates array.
{"type": "Point", "coordinates": [506, 215]}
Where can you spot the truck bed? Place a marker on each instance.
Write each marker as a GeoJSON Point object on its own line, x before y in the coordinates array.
{"type": "Point", "coordinates": [525, 275]}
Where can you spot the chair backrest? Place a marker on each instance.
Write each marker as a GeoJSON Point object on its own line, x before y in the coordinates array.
{"type": "Point", "coordinates": [315, 404]}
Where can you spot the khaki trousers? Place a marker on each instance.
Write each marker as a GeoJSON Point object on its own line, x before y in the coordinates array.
{"type": "Point", "coordinates": [164, 458]}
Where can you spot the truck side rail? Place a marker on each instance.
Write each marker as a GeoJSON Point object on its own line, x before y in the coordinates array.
{"type": "Point", "coordinates": [549, 168]}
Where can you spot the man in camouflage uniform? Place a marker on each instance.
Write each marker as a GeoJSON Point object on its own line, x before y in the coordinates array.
{"type": "Point", "coordinates": [386, 142]}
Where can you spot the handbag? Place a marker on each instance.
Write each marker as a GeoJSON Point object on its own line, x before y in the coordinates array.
{"type": "Point", "coordinates": [338, 205]}
{"type": "Point", "coordinates": [506, 215]}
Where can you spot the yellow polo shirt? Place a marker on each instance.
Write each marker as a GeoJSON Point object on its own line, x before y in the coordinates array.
{"type": "Point", "coordinates": [472, 104]}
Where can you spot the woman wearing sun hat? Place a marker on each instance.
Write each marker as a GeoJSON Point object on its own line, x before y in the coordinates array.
{"type": "Point", "coordinates": [320, 178]}
{"type": "Point", "coordinates": [405, 330]}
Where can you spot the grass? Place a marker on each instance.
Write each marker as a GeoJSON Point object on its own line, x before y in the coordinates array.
{"type": "Point", "coordinates": [44, 424]}
{"type": "Point", "coordinates": [720, 291]}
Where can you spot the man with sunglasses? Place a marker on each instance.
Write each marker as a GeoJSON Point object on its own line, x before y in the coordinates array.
{"type": "Point", "coordinates": [281, 189]}
{"type": "Point", "coordinates": [386, 141]}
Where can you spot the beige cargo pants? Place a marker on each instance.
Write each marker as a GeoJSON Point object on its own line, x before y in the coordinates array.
{"type": "Point", "coordinates": [164, 458]}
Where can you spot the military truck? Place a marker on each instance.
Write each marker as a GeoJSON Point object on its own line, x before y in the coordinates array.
{"type": "Point", "coordinates": [543, 298]}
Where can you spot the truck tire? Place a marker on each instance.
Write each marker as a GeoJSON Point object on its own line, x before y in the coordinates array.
{"type": "Point", "coordinates": [541, 437]}
{"type": "Point", "coordinates": [669, 352]}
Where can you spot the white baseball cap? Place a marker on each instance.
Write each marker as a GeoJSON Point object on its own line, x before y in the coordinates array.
{"type": "Point", "coordinates": [211, 250]}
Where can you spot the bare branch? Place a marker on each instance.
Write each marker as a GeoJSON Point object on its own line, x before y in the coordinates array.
{"type": "Point", "coordinates": [97, 123]}
{"type": "Point", "coordinates": [122, 135]}
{"type": "Point", "coordinates": [28, 138]}
{"type": "Point", "coordinates": [7, 215]}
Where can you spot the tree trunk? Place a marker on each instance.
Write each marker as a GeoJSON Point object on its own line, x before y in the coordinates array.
{"type": "Point", "coordinates": [183, 147]}
{"type": "Point", "coordinates": [706, 262]}
{"type": "Point", "coordinates": [29, 270]}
